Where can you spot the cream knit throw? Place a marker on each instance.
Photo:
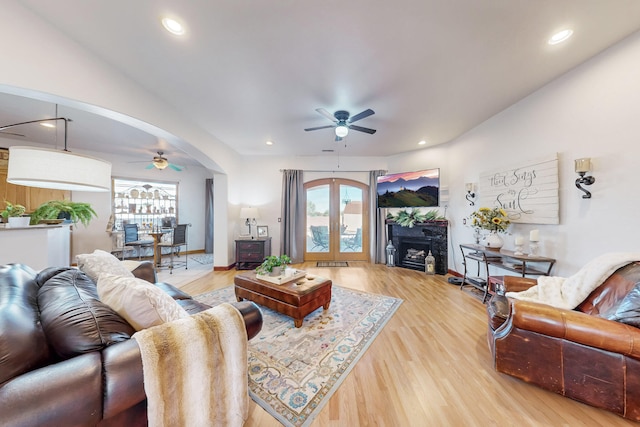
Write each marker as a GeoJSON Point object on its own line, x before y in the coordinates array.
{"type": "Point", "coordinates": [569, 293]}
{"type": "Point", "coordinates": [195, 370]}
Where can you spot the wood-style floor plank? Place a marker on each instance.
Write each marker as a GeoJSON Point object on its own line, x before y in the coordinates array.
{"type": "Point", "coordinates": [430, 366]}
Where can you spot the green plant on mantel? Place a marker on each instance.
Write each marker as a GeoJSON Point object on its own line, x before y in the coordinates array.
{"type": "Point", "coordinates": [54, 209]}
{"type": "Point", "coordinates": [273, 261]}
{"type": "Point", "coordinates": [12, 210]}
{"type": "Point", "coordinates": [406, 218]}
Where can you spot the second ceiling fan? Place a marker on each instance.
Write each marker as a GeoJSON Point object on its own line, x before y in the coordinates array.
{"type": "Point", "coordinates": [343, 122]}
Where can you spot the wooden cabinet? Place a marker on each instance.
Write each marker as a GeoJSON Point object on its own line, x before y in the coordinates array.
{"type": "Point", "coordinates": [251, 253]}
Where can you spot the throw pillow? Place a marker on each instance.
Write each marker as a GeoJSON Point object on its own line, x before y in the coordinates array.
{"type": "Point", "coordinates": [75, 321]}
{"type": "Point", "coordinates": [628, 311]}
{"type": "Point", "coordinates": [142, 304]}
{"type": "Point", "coordinates": [101, 262]}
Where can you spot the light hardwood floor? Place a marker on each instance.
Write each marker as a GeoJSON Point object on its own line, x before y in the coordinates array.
{"type": "Point", "coordinates": [430, 366]}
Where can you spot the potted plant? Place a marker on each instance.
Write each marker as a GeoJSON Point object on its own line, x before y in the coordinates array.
{"type": "Point", "coordinates": [12, 213]}
{"type": "Point", "coordinates": [64, 209]}
{"type": "Point", "coordinates": [495, 220]}
{"type": "Point", "coordinates": [409, 219]}
{"type": "Point", "coordinates": [273, 265]}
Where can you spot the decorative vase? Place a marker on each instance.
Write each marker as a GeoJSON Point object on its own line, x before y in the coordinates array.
{"type": "Point", "coordinates": [276, 271]}
{"type": "Point", "coordinates": [18, 221]}
{"type": "Point", "coordinates": [493, 240]}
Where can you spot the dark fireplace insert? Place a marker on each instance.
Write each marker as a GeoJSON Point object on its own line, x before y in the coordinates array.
{"type": "Point", "coordinates": [413, 245]}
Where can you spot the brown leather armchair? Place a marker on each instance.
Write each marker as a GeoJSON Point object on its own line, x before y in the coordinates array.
{"type": "Point", "coordinates": [580, 353]}
{"type": "Point", "coordinates": [66, 359]}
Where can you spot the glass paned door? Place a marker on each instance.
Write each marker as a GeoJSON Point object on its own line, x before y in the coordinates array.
{"type": "Point", "coordinates": [318, 219]}
{"type": "Point", "coordinates": [336, 220]}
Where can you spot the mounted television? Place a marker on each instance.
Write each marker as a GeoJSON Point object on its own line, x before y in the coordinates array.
{"type": "Point", "coordinates": [409, 189]}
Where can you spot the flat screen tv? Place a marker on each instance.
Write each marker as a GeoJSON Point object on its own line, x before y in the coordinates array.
{"type": "Point", "coordinates": [409, 189]}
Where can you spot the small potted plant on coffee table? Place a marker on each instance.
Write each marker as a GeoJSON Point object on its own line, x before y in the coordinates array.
{"type": "Point", "coordinates": [273, 265]}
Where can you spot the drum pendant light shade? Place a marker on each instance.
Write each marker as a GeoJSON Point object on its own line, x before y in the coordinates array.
{"type": "Point", "coordinates": [56, 169]}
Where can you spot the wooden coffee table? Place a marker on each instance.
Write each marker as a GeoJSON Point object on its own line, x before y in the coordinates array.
{"type": "Point", "coordinates": [295, 299]}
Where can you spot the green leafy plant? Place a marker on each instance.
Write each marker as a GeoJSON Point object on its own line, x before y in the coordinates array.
{"type": "Point", "coordinates": [75, 211]}
{"type": "Point", "coordinates": [12, 210]}
{"type": "Point", "coordinates": [273, 261]}
{"type": "Point", "coordinates": [492, 219]}
{"type": "Point", "coordinates": [409, 219]}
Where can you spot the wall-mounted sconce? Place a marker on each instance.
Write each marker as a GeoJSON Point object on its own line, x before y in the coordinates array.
{"type": "Point", "coordinates": [471, 195]}
{"type": "Point", "coordinates": [582, 167]}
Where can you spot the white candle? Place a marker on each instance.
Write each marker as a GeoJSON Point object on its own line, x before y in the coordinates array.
{"type": "Point", "coordinates": [533, 236]}
{"type": "Point", "coordinates": [519, 240]}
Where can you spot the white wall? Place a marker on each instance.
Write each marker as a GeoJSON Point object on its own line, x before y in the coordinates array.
{"type": "Point", "coordinates": [591, 111]}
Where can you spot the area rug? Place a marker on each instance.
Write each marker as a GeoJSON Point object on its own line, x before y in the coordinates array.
{"type": "Point", "coordinates": [294, 371]}
{"type": "Point", "coordinates": [202, 258]}
{"type": "Point", "coordinates": [332, 264]}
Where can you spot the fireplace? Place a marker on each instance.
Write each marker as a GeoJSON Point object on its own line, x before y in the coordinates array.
{"type": "Point", "coordinates": [413, 245]}
{"type": "Point", "coordinates": [412, 253]}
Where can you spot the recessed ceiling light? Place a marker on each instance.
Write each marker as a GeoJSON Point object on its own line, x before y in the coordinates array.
{"type": "Point", "coordinates": [47, 125]}
{"type": "Point", "coordinates": [269, 142]}
{"type": "Point", "coordinates": [423, 142]}
{"type": "Point", "coordinates": [560, 36]}
{"type": "Point", "coordinates": [173, 26]}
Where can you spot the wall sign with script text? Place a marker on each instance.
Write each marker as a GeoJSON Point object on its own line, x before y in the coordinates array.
{"type": "Point", "coordinates": [528, 193]}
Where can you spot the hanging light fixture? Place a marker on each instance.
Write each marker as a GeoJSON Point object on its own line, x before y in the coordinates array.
{"type": "Point", "coordinates": [55, 169]}
{"type": "Point", "coordinates": [342, 130]}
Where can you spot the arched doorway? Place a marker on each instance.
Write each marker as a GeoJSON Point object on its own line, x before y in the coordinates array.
{"type": "Point", "coordinates": [337, 220]}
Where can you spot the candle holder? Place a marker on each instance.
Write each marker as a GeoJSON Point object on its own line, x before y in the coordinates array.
{"type": "Point", "coordinates": [534, 247]}
{"type": "Point", "coordinates": [518, 250]}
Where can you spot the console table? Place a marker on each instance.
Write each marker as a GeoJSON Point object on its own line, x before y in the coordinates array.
{"type": "Point", "coordinates": [504, 259]}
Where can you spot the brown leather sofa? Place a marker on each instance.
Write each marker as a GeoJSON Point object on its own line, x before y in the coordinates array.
{"type": "Point", "coordinates": [580, 353]}
{"type": "Point", "coordinates": [65, 358]}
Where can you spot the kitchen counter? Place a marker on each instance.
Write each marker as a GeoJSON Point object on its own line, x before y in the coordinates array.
{"type": "Point", "coordinates": [38, 246]}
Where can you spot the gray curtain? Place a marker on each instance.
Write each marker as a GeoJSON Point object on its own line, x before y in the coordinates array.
{"type": "Point", "coordinates": [208, 216]}
{"type": "Point", "coordinates": [293, 215]}
{"type": "Point", "coordinates": [377, 217]}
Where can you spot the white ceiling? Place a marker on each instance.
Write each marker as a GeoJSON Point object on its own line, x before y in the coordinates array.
{"type": "Point", "coordinates": [250, 71]}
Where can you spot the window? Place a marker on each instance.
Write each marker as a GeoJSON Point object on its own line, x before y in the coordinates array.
{"type": "Point", "coordinates": [151, 205]}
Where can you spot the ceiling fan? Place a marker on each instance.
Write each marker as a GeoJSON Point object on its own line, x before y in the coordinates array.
{"type": "Point", "coordinates": [343, 122]}
{"type": "Point", "coordinates": [161, 162]}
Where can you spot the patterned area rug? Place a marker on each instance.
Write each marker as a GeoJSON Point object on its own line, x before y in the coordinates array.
{"type": "Point", "coordinates": [332, 264]}
{"type": "Point", "coordinates": [202, 258]}
{"type": "Point", "coordinates": [294, 371]}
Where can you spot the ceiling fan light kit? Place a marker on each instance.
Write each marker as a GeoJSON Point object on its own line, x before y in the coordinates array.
{"type": "Point", "coordinates": [343, 122]}
{"type": "Point", "coordinates": [342, 131]}
{"type": "Point", "coordinates": [161, 162]}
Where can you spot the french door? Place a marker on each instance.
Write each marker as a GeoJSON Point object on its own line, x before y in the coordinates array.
{"type": "Point", "coordinates": [337, 220]}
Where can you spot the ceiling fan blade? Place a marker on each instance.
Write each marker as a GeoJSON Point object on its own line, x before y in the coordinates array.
{"type": "Point", "coordinates": [361, 129]}
{"type": "Point", "coordinates": [360, 116]}
{"type": "Point", "coordinates": [327, 114]}
{"type": "Point", "coordinates": [338, 138]}
{"type": "Point", "coordinates": [149, 166]}
{"type": "Point", "coordinates": [320, 127]}
{"type": "Point", "coordinates": [175, 167]}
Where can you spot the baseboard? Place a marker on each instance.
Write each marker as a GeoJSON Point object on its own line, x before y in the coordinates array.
{"type": "Point", "coordinates": [224, 268]}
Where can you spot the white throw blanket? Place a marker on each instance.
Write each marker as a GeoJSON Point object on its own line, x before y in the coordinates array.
{"type": "Point", "coordinates": [569, 293]}
{"type": "Point", "coordinates": [195, 370]}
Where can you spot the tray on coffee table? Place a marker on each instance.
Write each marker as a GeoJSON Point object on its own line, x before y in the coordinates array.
{"type": "Point", "coordinates": [281, 279]}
